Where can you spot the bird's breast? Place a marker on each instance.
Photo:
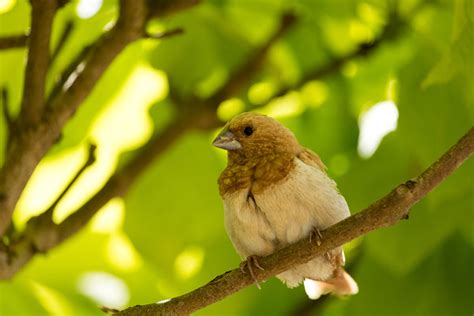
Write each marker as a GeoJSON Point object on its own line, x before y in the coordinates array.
{"type": "Point", "coordinates": [285, 211]}
{"type": "Point", "coordinates": [255, 175]}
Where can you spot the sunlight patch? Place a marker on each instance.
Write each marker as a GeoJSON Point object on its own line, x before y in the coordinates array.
{"type": "Point", "coordinates": [314, 93]}
{"type": "Point", "coordinates": [121, 253]}
{"type": "Point", "coordinates": [286, 106]}
{"type": "Point", "coordinates": [230, 108]}
{"type": "Point", "coordinates": [87, 185]}
{"type": "Point", "coordinates": [110, 218]}
{"type": "Point", "coordinates": [350, 69]}
{"type": "Point", "coordinates": [88, 8]}
{"type": "Point", "coordinates": [125, 123]}
{"type": "Point", "coordinates": [104, 288]}
{"type": "Point", "coordinates": [189, 262]}
{"type": "Point", "coordinates": [6, 5]}
{"type": "Point", "coordinates": [261, 92]}
{"type": "Point", "coordinates": [56, 171]}
{"type": "Point", "coordinates": [51, 300]}
{"type": "Point", "coordinates": [374, 124]}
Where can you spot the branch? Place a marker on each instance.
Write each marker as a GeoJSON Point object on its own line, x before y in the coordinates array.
{"type": "Point", "coordinates": [48, 214]}
{"type": "Point", "coordinates": [41, 234]}
{"type": "Point", "coordinates": [385, 212]}
{"type": "Point", "coordinates": [66, 33]}
{"type": "Point", "coordinates": [6, 112]}
{"type": "Point", "coordinates": [30, 145]}
{"type": "Point", "coordinates": [13, 41]}
{"type": "Point", "coordinates": [173, 32]}
{"type": "Point", "coordinates": [42, 15]}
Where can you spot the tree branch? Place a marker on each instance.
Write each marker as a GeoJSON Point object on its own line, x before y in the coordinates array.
{"type": "Point", "coordinates": [385, 212]}
{"type": "Point", "coordinates": [41, 234]}
{"type": "Point", "coordinates": [66, 33]}
{"type": "Point", "coordinates": [42, 15]}
{"type": "Point", "coordinates": [48, 214]}
{"type": "Point", "coordinates": [13, 41]}
{"type": "Point", "coordinates": [6, 112]}
{"type": "Point", "coordinates": [31, 143]}
{"type": "Point", "coordinates": [169, 33]}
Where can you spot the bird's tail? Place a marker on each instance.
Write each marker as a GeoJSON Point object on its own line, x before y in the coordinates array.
{"type": "Point", "coordinates": [341, 284]}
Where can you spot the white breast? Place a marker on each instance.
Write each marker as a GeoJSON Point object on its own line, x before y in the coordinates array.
{"type": "Point", "coordinates": [284, 213]}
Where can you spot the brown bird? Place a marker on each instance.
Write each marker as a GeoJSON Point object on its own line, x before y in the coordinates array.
{"type": "Point", "coordinates": [275, 193]}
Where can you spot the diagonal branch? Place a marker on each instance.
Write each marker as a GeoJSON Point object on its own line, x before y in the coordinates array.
{"type": "Point", "coordinates": [48, 214]}
{"type": "Point", "coordinates": [165, 34]}
{"type": "Point", "coordinates": [6, 111]}
{"type": "Point", "coordinates": [65, 35]}
{"type": "Point", "coordinates": [385, 212]}
{"type": "Point", "coordinates": [42, 15]}
{"type": "Point", "coordinates": [13, 41]}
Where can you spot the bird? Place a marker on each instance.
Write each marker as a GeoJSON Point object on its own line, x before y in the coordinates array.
{"type": "Point", "coordinates": [276, 192]}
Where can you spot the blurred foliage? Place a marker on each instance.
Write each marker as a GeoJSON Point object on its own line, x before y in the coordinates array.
{"type": "Point", "coordinates": [167, 236]}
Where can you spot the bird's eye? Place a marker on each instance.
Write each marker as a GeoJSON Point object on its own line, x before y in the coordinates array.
{"type": "Point", "coordinates": [248, 130]}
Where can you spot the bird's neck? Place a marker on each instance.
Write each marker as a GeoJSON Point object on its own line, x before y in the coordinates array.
{"type": "Point", "coordinates": [254, 175]}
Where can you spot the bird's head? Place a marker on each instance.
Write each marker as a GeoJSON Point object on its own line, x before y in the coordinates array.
{"type": "Point", "coordinates": [253, 135]}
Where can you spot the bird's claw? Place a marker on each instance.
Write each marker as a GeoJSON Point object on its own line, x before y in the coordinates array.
{"type": "Point", "coordinates": [316, 235]}
{"type": "Point", "coordinates": [250, 264]}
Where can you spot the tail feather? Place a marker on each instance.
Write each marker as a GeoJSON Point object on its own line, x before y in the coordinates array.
{"type": "Point", "coordinates": [341, 284]}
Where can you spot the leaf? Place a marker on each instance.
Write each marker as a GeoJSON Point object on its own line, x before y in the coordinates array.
{"type": "Point", "coordinates": [458, 57]}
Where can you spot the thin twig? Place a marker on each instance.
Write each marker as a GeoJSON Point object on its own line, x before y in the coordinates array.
{"type": "Point", "coordinates": [66, 78]}
{"type": "Point", "coordinates": [65, 35]}
{"type": "Point", "coordinates": [173, 32]}
{"type": "Point", "coordinates": [385, 212]}
{"type": "Point", "coordinates": [6, 110]}
{"type": "Point", "coordinates": [13, 41]}
{"type": "Point", "coordinates": [89, 161]}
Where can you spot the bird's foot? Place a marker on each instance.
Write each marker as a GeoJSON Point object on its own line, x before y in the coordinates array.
{"type": "Point", "coordinates": [250, 264]}
{"type": "Point", "coordinates": [315, 235]}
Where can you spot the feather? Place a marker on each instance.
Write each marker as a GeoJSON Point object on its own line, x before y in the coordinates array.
{"type": "Point", "coordinates": [311, 158]}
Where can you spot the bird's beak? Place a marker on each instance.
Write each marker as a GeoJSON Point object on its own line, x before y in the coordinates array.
{"type": "Point", "coordinates": [226, 140]}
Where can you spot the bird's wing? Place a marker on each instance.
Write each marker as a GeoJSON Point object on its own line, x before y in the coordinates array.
{"type": "Point", "coordinates": [311, 158]}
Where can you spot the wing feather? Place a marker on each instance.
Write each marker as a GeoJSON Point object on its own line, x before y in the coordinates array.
{"type": "Point", "coordinates": [311, 158]}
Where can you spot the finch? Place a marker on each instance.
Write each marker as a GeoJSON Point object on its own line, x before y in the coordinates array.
{"type": "Point", "coordinates": [276, 192]}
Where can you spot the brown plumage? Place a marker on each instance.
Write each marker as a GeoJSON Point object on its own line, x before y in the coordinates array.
{"type": "Point", "coordinates": [276, 192]}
